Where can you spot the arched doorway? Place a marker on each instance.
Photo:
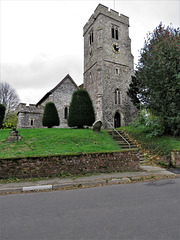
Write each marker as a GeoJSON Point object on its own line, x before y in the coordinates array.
{"type": "Point", "coordinates": [117, 120]}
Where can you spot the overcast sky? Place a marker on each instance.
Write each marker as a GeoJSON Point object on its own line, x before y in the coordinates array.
{"type": "Point", "coordinates": [42, 41]}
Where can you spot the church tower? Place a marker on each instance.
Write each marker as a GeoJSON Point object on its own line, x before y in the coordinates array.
{"type": "Point", "coordinates": [108, 66]}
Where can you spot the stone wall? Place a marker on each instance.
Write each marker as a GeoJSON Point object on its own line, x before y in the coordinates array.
{"type": "Point", "coordinates": [29, 116]}
{"type": "Point", "coordinates": [106, 71]}
{"type": "Point", "coordinates": [73, 164]}
{"type": "Point", "coordinates": [61, 97]}
{"type": "Point", "coordinates": [175, 159]}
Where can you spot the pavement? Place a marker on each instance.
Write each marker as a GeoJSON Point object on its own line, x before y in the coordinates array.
{"type": "Point", "coordinates": [147, 173]}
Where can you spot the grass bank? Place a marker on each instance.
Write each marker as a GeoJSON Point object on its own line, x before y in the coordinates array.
{"type": "Point", "coordinates": [162, 145]}
{"type": "Point", "coordinates": [43, 142]}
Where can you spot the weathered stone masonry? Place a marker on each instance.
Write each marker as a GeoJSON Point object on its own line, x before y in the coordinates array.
{"type": "Point", "coordinates": [31, 116]}
{"type": "Point", "coordinates": [107, 73]}
{"type": "Point", "coordinates": [175, 158]}
{"type": "Point", "coordinates": [73, 164]}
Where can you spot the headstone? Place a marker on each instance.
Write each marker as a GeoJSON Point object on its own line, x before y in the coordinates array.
{"type": "Point", "coordinates": [13, 136]}
{"type": "Point", "coordinates": [97, 126]}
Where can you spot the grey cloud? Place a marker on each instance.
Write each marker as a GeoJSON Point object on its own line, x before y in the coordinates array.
{"type": "Point", "coordinates": [43, 73]}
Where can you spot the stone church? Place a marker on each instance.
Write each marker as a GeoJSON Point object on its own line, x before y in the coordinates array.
{"type": "Point", "coordinates": [108, 67]}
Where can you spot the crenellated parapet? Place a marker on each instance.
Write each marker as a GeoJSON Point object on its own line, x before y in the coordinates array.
{"type": "Point", "coordinates": [101, 9]}
{"type": "Point", "coordinates": [23, 108]}
{"type": "Point", "coordinates": [29, 116]}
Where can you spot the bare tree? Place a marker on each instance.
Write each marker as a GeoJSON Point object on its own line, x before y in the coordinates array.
{"type": "Point", "coordinates": [9, 98]}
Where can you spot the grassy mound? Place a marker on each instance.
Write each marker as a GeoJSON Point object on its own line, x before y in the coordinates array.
{"type": "Point", "coordinates": [43, 142]}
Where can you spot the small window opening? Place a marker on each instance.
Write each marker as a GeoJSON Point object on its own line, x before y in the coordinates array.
{"type": "Point", "coordinates": [117, 71]}
{"type": "Point", "coordinates": [91, 37]}
{"type": "Point", "coordinates": [112, 32]}
{"type": "Point", "coordinates": [32, 122]}
{"type": "Point", "coordinates": [66, 113]}
{"type": "Point", "coordinates": [117, 96]}
{"type": "Point", "coordinates": [117, 34]}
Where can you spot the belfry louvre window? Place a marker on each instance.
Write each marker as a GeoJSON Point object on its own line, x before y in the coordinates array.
{"type": "Point", "coordinates": [114, 32]}
{"type": "Point", "coordinates": [117, 96]}
{"type": "Point", "coordinates": [91, 37]}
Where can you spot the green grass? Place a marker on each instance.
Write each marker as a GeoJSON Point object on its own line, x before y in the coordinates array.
{"type": "Point", "coordinates": [162, 145]}
{"type": "Point", "coordinates": [54, 141]}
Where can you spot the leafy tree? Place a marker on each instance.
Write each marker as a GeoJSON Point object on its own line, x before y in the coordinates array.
{"type": "Point", "coordinates": [2, 113]}
{"type": "Point", "coordinates": [9, 98]}
{"type": "Point", "coordinates": [81, 111]}
{"type": "Point", "coordinates": [157, 77]}
{"type": "Point", "coordinates": [11, 119]}
{"type": "Point", "coordinates": [134, 89]}
{"type": "Point", "coordinates": [50, 116]}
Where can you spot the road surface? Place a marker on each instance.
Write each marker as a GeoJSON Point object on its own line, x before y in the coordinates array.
{"type": "Point", "coordinates": [142, 211]}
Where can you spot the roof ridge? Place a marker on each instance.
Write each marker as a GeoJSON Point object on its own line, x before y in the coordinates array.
{"type": "Point", "coordinates": [53, 89]}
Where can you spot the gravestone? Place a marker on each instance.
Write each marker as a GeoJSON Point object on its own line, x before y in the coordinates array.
{"type": "Point", "coordinates": [97, 126]}
{"type": "Point", "coordinates": [13, 136]}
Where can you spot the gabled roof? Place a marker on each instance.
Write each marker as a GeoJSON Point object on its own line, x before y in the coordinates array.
{"type": "Point", "coordinates": [61, 82]}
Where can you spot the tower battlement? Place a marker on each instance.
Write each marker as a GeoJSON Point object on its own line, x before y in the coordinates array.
{"type": "Point", "coordinates": [23, 108]}
{"type": "Point", "coordinates": [101, 9]}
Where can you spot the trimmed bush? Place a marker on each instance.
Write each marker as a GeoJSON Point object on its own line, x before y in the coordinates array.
{"type": "Point", "coordinates": [81, 111]}
{"type": "Point", "coordinates": [50, 116]}
{"type": "Point", "coordinates": [2, 114]}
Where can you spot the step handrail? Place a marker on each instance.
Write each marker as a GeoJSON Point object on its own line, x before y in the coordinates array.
{"type": "Point", "coordinates": [118, 133]}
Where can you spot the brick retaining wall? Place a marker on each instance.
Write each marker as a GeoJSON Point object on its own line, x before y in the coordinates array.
{"type": "Point", "coordinates": [73, 164]}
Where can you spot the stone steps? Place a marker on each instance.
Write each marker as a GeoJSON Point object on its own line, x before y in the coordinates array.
{"type": "Point", "coordinates": [123, 144]}
{"type": "Point", "coordinates": [122, 140]}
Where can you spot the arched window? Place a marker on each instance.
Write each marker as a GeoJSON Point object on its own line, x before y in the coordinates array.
{"type": "Point", "coordinates": [32, 122]}
{"type": "Point", "coordinates": [117, 71]}
{"type": "Point", "coordinates": [114, 32]}
{"type": "Point", "coordinates": [91, 37]}
{"type": "Point", "coordinates": [117, 37]}
{"type": "Point", "coordinates": [117, 96]}
{"type": "Point", "coordinates": [66, 112]}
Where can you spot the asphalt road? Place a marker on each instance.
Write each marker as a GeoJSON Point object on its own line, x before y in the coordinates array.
{"type": "Point", "coordinates": [142, 211]}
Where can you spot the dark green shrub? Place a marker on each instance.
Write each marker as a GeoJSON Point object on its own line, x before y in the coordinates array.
{"type": "Point", "coordinates": [50, 116]}
{"type": "Point", "coordinates": [81, 111]}
{"type": "Point", "coordinates": [2, 114]}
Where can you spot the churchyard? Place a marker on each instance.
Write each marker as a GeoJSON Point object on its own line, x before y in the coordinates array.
{"type": "Point", "coordinates": [54, 141]}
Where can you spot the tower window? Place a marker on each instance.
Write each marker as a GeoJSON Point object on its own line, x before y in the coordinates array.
{"type": "Point", "coordinates": [117, 71]}
{"type": "Point", "coordinates": [117, 96]}
{"type": "Point", "coordinates": [91, 37]}
{"type": "Point", "coordinates": [114, 32]}
{"type": "Point", "coordinates": [66, 112]}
